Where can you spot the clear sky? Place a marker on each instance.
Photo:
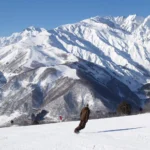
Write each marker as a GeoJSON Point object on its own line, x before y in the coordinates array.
{"type": "Point", "coordinates": [15, 15]}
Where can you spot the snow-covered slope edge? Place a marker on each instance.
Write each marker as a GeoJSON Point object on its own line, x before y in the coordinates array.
{"type": "Point", "coordinates": [132, 132]}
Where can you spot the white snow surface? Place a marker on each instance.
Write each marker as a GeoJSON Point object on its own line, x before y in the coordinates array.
{"type": "Point", "coordinates": [120, 133]}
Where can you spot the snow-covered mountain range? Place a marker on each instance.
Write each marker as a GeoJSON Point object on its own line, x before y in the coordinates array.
{"type": "Point", "coordinates": [100, 61]}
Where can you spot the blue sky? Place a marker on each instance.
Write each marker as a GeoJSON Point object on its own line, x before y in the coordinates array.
{"type": "Point", "coordinates": [15, 15]}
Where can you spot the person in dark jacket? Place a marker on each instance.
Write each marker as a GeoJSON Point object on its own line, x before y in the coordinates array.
{"type": "Point", "coordinates": [84, 116]}
{"type": "Point", "coordinates": [12, 122]}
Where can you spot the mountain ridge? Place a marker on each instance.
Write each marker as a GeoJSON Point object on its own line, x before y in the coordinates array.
{"type": "Point", "coordinates": [107, 51]}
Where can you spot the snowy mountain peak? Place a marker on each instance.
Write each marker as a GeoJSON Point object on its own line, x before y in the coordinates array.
{"type": "Point", "coordinates": [32, 28]}
{"type": "Point", "coordinates": [147, 22]}
{"type": "Point", "coordinates": [129, 23]}
{"type": "Point", "coordinates": [106, 51]}
{"type": "Point", "coordinates": [132, 17]}
{"type": "Point", "coordinates": [123, 18]}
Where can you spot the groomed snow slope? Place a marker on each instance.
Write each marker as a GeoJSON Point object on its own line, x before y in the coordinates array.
{"type": "Point", "coordinates": [121, 133]}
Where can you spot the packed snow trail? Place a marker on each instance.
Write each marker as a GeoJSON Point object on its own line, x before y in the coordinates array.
{"type": "Point", "coordinates": [120, 133]}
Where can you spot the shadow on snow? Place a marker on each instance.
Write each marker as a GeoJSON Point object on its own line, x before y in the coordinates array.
{"type": "Point", "coordinates": [116, 130]}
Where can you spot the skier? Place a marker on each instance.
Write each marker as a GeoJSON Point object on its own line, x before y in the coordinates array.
{"type": "Point", "coordinates": [60, 117]}
{"type": "Point", "coordinates": [84, 116]}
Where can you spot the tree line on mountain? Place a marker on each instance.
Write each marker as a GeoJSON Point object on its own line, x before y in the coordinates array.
{"type": "Point", "coordinates": [124, 108]}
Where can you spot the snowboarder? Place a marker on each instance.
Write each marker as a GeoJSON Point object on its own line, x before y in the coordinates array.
{"type": "Point", "coordinates": [84, 116]}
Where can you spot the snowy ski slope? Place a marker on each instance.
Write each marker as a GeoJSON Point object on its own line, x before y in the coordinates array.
{"type": "Point", "coordinates": [121, 133]}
